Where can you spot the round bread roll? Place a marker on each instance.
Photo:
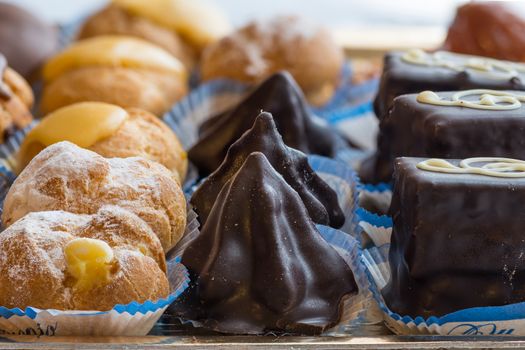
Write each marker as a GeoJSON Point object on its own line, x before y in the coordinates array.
{"type": "Point", "coordinates": [121, 70]}
{"type": "Point", "coordinates": [114, 20]}
{"type": "Point", "coordinates": [45, 264]}
{"type": "Point", "coordinates": [16, 100]}
{"type": "Point", "coordinates": [66, 177]}
{"type": "Point", "coordinates": [25, 40]}
{"type": "Point", "coordinates": [109, 130]}
{"type": "Point", "coordinates": [254, 52]}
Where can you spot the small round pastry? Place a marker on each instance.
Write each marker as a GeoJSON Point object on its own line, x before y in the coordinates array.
{"type": "Point", "coordinates": [183, 27]}
{"type": "Point", "coordinates": [66, 177]}
{"type": "Point", "coordinates": [45, 264]}
{"type": "Point", "coordinates": [25, 40]}
{"type": "Point", "coordinates": [109, 130]}
{"type": "Point", "coordinates": [125, 71]}
{"type": "Point", "coordinates": [16, 100]}
{"type": "Point", "coordinates": [254, 52]}
{"type": "Point", "coordinates": [487, 28]}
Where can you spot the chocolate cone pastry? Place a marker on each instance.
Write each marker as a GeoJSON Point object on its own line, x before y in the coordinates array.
{"type": "Point", "coordinates": [259, 264]}
{"type": "Point", "coordinates": [280, 96]}
{"type": "Point", "coordinates": [319, 199]}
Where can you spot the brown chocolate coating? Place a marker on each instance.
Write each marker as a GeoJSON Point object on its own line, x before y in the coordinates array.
{"type": "Point", "coordinates": [25, 40]}
{"type": "Point", "coordinates": [4, 90]}
{"type": "Point", "coordinates": [415, 129]}
{"type": "Point", "coordinates": [320, 200]}
{"type": "Point", "coordinates": [457, 241]}
{"type": "Point", "coordinates": [487, 29]}
{"type": "Point", "coordinates": [280, 96]}
{"type": "Point", "coordinates": [259, 264]}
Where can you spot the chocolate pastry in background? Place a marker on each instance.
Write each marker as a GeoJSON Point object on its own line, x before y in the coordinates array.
{"type": "Point", "coordinates": [446, 131]}
{"type": "Point", "coordinates": [25, 40]}
{"type": "Point", "coordinates": [280, 96]}
{"type": "Point", "coordinates": [262, 266]}
{"type": "Point", "coordinates": [414, 71]}
{"type": "Point", "coordinates": [16, 100]}
{"type": "Point", "coordinates": [319, 199]}
{"type": "Point", "coordinates": [457, 240]}
{"type": "Point", "coordinates": [487, 28]}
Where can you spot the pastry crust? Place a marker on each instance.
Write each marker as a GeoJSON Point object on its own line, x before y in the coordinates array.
{"type": "Point", "coordinates": [145, 135]}
{"type": "Point", "coordinates": [151, 90]}
{"type": "Point", "coordinates": [260, 49]}
{"type": "Point", "coordinates": [67, 177]}
{"type": "Point", "coordinates": [114, 20]}
{"type": "Point", "coordinates": [33, 267]}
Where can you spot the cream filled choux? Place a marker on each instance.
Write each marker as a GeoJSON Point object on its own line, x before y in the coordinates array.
{"type": "Point", "coordinates": [182, 27]}
{"type": "Point", "coordinates": [16, 100]}
{"type": "Point", "coordinates": [122, 70]}
{"type": "Point", "coordinates": [59, 260]}
{"type": "Point", "coordinates": [109, 130]}
{"type": "Point", "coordinates": [66, 177]}
{"type": "Point", "coordinates": [256, 51]}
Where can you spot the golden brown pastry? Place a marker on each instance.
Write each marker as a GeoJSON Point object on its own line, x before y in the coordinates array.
{"type": "Point", "coordinates": [109, 130]}
{"type": "Point", "coordinates": [183, 27]}
{"type": "Point", "coordinates": [254, 52]}
{"type": "Point", "coordinates": [66, 177]}
{"type": "Point", "coordinates": [55, 260]}
{"type": "Point", "coordinates": [125, 71]}
{"type": "Point", "coordinates": [16, 100]}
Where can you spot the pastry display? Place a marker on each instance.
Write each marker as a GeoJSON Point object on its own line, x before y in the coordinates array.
{"type": "Point", "coordinates": [487, 28]}
{"type": "Point", "coordinates": [457, 238]}
{"type": "Point", "coordinates": [16, 100]}
{"type": "Point", "coordinates": [125, 71]}
{"type": "Point", "coordinates": [182, 27]}
{"type": "Point", "coordinates": [319, 199]}
{"type": "Point", "coordinates": [25, 40]}
{"type": "Point", "coordinates": [109, 130]}
{"type": "Point", "coordinates": [280, 96]}
{"type": "Point", "coordinates": [416, 70]}
{"type": "Point", "coordinates": [66, 177]}
{"type": "Point", "coordinates": [262, 48]}
{"type": "Point", "coordinates": [458, 124]}
{"type": "Point", "coordinates": [64, 261]}
{"type": "Point", "coordinates": [263, 266]}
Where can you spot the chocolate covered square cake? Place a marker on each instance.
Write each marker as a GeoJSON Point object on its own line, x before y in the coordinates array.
{"type": "Point", "coordinates": [457, 239]}
{"type": "Point", "coordinates": [460, 124]}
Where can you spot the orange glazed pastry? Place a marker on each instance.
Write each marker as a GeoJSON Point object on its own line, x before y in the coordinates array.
{"type": "Point", "coordinates": [121, 70]}
{"type": "Point", "coordinates": [66, 177]}
{"type": "Point", "coordinates": [109, 130]}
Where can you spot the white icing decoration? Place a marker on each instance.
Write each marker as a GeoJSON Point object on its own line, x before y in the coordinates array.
{"type": "Point", "coordinates": [491, 68]}
{"type": "Point", "coordinates": [494, 166]}
{"type": "Point", "coordinates": [493, 100]}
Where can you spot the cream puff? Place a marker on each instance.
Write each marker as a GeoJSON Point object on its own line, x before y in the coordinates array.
{"type": "Point", "coordinates": [261, 48]}
{"type": "Point", "coordinates": [66, 177]}
{"type": "Point", "coordinates": [125, 71]}
{"type": "Point", "coordinates": [16, 100]}
{"type": "Point", "coordinates": [57, 260]}
{"type": "Point", "coordinates": [109, 130]}
{"type": "Point", "coordinates": [182, 27]}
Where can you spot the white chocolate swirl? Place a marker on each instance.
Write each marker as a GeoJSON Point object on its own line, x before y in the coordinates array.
{"type": "Point", "coordinates": [493, 100]}
{"type": "Point", "coordinates": [493, 166]}
{"type": "Point", "coordinates": [489, 67]}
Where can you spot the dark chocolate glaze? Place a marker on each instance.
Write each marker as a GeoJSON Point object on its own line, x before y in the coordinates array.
{"type": "Point", "coordinates": [457, 241]}
{"type": "Point", "coordinates": [487, 28]}
{"type": "Point", "coordinates": [400, 78]}
{"type": "Point", "coordinates": [320, 200]}
{"type": "Point", "coordinates": [279, 95]}
{"type": "Point", "coordinates": [259, 264]}
{"type": "Point", "coordinates": [5, 93]}
{"type": "Point", "coordinates": [25, 40]}
{"type": "Point", "coordinates": [416, 129]}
